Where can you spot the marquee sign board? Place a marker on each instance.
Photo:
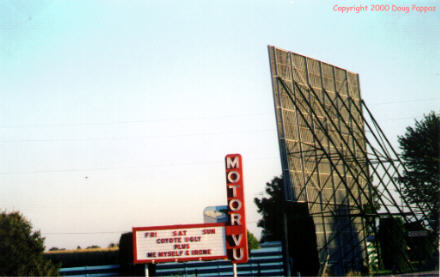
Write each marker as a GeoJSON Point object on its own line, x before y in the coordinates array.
{"type": "Point", "coordinates": [179, 243]}
{"type": "Point", "coordinates": [209, 241]}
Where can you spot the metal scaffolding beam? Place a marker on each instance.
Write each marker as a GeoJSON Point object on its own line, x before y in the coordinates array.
{"type": "Point", "coordinates": [335, 158]}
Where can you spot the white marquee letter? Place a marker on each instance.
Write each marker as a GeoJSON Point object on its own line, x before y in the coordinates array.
{"type": "Point", "coordinates": [231, 205]}
{"type": "Point", "coordinates": [234, 253]}
{"type": "Point", "coordinates": [235, 219]}
{"type": "Point", "coordinates": [237, 240]}
{"type": "Point", "coordinates": [234, 179]}
{"type": "Point", "coordinates": [232, 163]}
{"type": "Point", "coordinates": [234, 189]}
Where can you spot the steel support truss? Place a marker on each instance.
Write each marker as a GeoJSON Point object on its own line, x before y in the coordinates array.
{"type": "Point", "coordinates": [335, 158]}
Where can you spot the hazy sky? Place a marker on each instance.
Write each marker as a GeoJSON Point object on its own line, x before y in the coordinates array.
{"type": "Point", "coordinates": [116, 114]}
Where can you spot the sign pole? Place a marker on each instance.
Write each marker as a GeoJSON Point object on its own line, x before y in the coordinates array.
{"type": "Point", "coordinates": [234, 267]}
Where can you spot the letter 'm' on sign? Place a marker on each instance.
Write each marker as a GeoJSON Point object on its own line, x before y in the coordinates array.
{"type": "Point", "coordinates": [232, 162]}
{"type": "Point", "coordinates": [236, 232]}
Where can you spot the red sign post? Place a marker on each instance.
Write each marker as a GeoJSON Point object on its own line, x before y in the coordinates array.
{"type": "Point", "coordinates": [236, 232]}
{"type": "Point", "coordinates": [180, 243]}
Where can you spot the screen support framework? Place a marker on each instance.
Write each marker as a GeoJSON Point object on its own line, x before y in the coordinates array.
{"type": "Point", "coordinates": [362, 166]}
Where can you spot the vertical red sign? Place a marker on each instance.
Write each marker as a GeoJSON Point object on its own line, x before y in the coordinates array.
{"type": "Point", "coordinates": [236, 232]}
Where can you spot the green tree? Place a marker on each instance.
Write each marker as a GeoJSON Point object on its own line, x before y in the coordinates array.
{"type": "Point", "coordinates": [252, 241]}
{"type": "Point", "coordinates": [21, 249]}
{"type": "Point", "coordinates": [301, 229]}
{"type": "Point", "coordinates": [271, 211]}
{"type": "Point", "coordinates": [421, 157]}
{"type": "Point", "coordinates": [112, 245]}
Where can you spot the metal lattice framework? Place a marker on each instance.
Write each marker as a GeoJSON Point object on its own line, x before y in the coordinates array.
{"type": "Point", "coordinates": [334, 158]}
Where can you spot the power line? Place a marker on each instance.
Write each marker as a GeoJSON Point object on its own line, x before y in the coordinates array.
{"type": "Point", "coordinates": [67, 170]}
{"type": "Point", "coordinates": [103, 232]}
{"type": "Point", "coordinates": [229, 132]}
{"type": "Point", "coordinates": [406, 101]}
{"type": "Point", "coordinates": [202, 117]}
{"type": "Point", "coordinates": [129, 122]}
{"type": "Point", "coordinates": [64, 170]}
{"type": "Point", "coordinates": [84, 233]}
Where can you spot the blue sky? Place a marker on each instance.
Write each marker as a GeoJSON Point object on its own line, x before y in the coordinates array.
{"type": "Point", "coordinates": [116, 114]}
